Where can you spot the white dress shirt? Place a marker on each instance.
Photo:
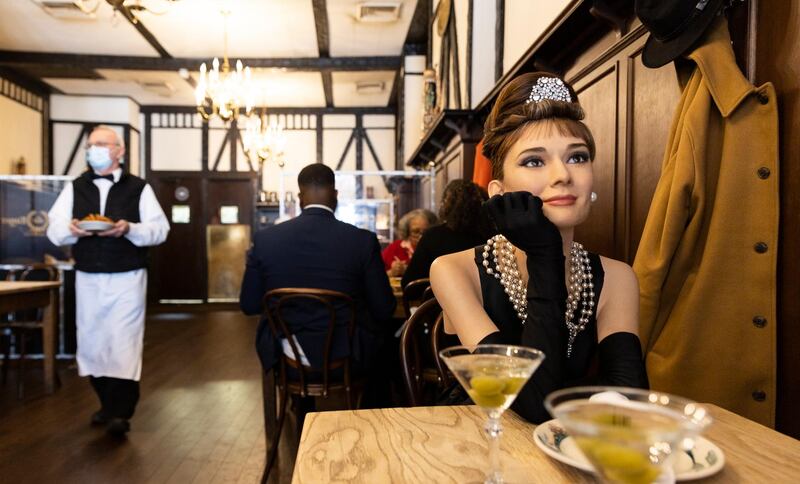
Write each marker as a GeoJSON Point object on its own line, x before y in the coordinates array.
{"type": "Point", "coordinates": [110, 307]}
{"type": "Point", "coordinates": [151, 230]}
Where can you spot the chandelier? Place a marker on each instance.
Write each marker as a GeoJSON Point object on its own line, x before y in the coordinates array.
{"type": "Point", "coordinates": [221, 91]}
{"type": "Point", "coordinates": [264, 142]}
{"type": "Point", "coordinates": [128, 8]}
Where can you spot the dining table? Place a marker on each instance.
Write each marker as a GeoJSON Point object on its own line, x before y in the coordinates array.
{"type": "Point", "coordinates": [397, 291]}
{"type": "Point", "coordinates": [21, 295]}
{"type": "Point", "coordinates": [447, 444]}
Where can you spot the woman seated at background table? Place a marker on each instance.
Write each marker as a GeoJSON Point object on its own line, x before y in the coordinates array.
{"type": "Point", "coordinates": [410, 228]}
{"type": "Point", "coordinates": [464, 225]}
{"type": "Point", "coordinates": [514, 289]}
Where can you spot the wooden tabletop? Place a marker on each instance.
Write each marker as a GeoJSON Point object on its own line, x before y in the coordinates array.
{"type": "Point", "coordinates": [18, 295]}
{"type": "Point", "coordinates": [16, 287]}
{"type": "Point", "coordinates": [447, 444]}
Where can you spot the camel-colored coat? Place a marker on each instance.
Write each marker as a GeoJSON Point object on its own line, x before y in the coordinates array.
{"type": "Point", "coordinates": [707, 258]}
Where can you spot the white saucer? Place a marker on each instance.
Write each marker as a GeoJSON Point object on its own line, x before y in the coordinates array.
{"type": "Point", "coordinates": [94, 225]}
{"type": "Point", "coordinates": [704, 460]}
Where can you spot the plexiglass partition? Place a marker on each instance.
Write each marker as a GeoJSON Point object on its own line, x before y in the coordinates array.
{"type": "Point", "coordinates": [24, 203]}
{"type": "Point", "coordinates": [366, 198]}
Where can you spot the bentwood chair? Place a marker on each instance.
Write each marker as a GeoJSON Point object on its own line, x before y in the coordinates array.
{"type": "Point", "coordinates": [297, 378]}
{"type": "Point", "coordinates": [440, 341]}
{"type": "Point", "coordinates": [23, 324]}
{"type": "Point", "coordinates": [414, 293]}
{"type": "Point", "coordinates": [417, 354]}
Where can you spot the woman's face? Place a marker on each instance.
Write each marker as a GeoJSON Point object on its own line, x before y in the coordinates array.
{"type": "Point", "coordinates": [416, 227]}
{"type": "Point", "coordinates": [553, 167]}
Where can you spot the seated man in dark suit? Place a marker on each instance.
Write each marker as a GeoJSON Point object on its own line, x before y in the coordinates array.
{"type": "Point", "coordinates": [315, 250]}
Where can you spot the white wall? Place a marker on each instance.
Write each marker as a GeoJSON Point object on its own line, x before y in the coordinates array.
{"type": "Point", "coordinates": [484, 17]}
{"type": "Point", "coordinates": [91, 109]}
{"type": "Point", "coordinates": [412, 105]}
{"type": "Point", "coordinates": [525, 21]}
{"type": "Point", "coordinates": [20, 136]}
{"type": "Point", "coordinates": [180, 149]}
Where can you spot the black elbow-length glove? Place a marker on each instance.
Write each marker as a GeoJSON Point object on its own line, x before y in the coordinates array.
{"type": "Point", "coordinates": [520, 219]}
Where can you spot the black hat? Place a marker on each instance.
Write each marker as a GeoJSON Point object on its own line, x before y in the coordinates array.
{"type": "Point", "coordinates": [674, 25]}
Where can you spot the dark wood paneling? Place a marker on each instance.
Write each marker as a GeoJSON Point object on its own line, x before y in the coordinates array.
{"type": "Point", "coordinates": [177, 268]}
{"type": "Point", "coordinates": [598, 96]}
{"type": "Point", "coordinates": [654, 95]}
{"type": "Point", "coordinates": [239, 192]}
{"type": "Point", "coordinates": [778, 55]}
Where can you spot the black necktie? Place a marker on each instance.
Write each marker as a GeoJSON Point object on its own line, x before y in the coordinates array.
{"type": "Point", "coordinates": [108, 177]}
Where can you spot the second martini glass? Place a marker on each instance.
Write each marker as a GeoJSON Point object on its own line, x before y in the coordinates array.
{"type": "Point", "coordinates": [492, 375]}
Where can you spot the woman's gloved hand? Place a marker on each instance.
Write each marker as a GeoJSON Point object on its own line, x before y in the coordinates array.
{"type": "Point", "coordinates": [520, 219]}
{"type": "Point", "coordinates": [518, 216]}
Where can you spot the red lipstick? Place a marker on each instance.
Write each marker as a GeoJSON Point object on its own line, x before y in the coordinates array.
{"type": "Point", "coordinates": [561, 200]}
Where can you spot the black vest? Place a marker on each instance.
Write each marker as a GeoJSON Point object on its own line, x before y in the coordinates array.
{"type": "Point", "coordinates": [108, 254]}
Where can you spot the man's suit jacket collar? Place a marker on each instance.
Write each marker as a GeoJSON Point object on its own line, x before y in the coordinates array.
{"type": "Point", "coordinates": [314, 210]}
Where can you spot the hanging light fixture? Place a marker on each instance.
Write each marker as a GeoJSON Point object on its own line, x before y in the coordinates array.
{"type": "Point", "coordinates": [221, 91]}
{"type": "Point", "coordinates": [131, 9]}
{"type": "Point", "coordinates": [264, 142]}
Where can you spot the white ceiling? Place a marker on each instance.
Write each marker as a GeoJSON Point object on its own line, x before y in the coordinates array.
{"type": "Point", "coordinates": [24, 26]}
{"type": "Point", "coordinates": [127, 83]}
{"type": "Point", "coordinates": [256, 28]}
{"type": "Point", "coordinates": [288, 89]}
{"type": "Point", "coordinates": [351, 38]}
{"type": "Point", "coordinates": [194, 29]}
{"type": "Point", "coordinates": [276, 88]}
{"type": "Point", "coordinates": [344, 88]}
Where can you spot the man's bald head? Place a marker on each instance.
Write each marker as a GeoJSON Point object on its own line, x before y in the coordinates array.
{"type": "Point", "coordinates": [317, 184]}
{"type": "Point", "coordinates": [106, 137]}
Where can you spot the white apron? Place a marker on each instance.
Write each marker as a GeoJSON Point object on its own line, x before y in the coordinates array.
{"type": "Point", "coordinates": [110, 310]}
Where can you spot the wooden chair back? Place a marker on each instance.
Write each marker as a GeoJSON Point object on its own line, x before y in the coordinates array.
{"type": "Point", "coordinates": [414, 294]}
{"type": "Point", "coordinates": [304, 381]}
{"type": "Point", "coordinates": [417, 356]}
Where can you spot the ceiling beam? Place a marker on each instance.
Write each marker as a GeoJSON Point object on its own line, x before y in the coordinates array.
{"type": "Point", "coordinates": [280, 110]}
{"type": "Point", "coordinates": [418, 28]}
{"type": "Point", "coordinates": [378, 63]}
{"type": "Point", "coordinates": [119, 6]}
{"type": "Point", "coordinates": [321, 22]}
{"type": "Point", "coordinates": [30, 83]}
{"type": "Point", "coordinates": [327, 87]}
{"type": "Point", "coordinates": [323, 45]}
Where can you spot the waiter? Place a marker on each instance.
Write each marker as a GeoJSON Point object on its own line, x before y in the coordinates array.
{"type": "Point", "coordinates": [110, 276]}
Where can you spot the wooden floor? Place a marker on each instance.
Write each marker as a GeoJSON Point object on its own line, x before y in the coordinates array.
{"type": "Point", "coordinates": [199, 418]}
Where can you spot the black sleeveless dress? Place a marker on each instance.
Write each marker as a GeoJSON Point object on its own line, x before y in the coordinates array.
{"type": "Point", "coordinates": [615, 361]}
{"type": "Point", "coordinates": [582, 362]}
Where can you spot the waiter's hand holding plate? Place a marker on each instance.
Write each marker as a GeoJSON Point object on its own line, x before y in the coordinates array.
{"type": "Point", "coordinates": [93, 223]}
{"type": "Point", "coordinates": [119, 229]}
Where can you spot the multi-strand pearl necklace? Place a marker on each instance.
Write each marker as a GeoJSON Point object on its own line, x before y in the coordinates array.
{"type": "Point", "coordinates": [503, 266]}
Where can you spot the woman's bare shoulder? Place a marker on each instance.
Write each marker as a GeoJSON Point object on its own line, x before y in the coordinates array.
{"type": "Point", "coordinates": [619, 300]}
{"type": "Point", "coordinates": [446, 269]}
{"type": "Point", "coordinates": [618, 272]}
{"type": "Point", "coordinates": [457, 260]}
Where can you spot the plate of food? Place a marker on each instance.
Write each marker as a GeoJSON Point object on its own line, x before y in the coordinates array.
{"type": "Point", "coordinates": [95, 222]}
{"type": "Point", "coordinates": [703, 460]}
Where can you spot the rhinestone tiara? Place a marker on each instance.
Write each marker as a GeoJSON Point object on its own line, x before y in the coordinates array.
{"type": "Point", "coordinates": [551, 88]}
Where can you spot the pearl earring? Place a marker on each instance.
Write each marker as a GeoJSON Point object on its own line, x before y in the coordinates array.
{"type": "Point", "coordinates": [594, 197]}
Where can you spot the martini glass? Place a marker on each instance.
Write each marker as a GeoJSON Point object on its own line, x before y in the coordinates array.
{"type": "Point", "coordinates": [492, 375]}
{"type": "Point", "coordinates": [628, 434]}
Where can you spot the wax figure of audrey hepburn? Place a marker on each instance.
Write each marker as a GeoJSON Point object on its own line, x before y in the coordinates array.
{"type": "Point", "coordinates": [532, 284]}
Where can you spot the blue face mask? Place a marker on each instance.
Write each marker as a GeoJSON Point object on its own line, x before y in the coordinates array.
{"type": "Point", "coordinates": [98, 157]}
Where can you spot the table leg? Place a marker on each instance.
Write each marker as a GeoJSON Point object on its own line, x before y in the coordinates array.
{"type": "Point", "coordinates": [49, 341]}
{"type": "Point", "coordinates": [270, 406]}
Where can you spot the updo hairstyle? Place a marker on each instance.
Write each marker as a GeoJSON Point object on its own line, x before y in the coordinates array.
{"type": "Point", "coordinates": [511, 114]}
